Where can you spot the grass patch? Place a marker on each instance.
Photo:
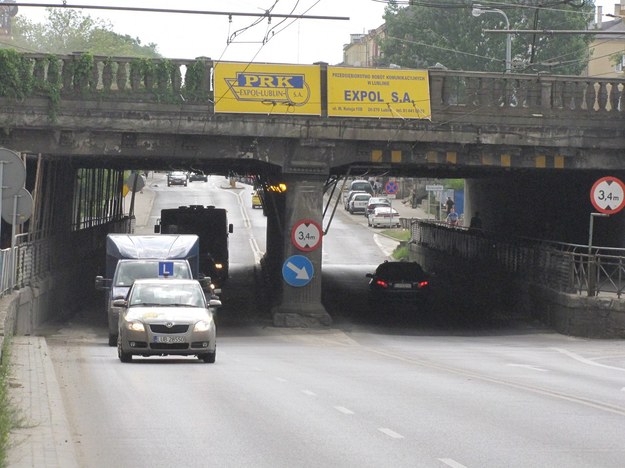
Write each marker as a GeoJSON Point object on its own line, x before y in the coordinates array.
{"type": "Point", "coordinates": [400, 253]}
{"type": "Point", "coordinates": [399, 234]}
{"type": "Point", "coordinates": [7, 412]}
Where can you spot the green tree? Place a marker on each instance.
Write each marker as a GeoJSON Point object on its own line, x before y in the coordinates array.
{"type": "Point", "coordinates": [66, 31]}
{"type": "Point", "coordinates": [425, 33]}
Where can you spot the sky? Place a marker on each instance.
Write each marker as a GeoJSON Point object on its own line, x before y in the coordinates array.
{"type": "Point", "coordinates": [187, 36]}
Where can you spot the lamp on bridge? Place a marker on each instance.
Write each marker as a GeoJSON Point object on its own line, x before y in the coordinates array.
{"type": "Point", "coordinates": [479, 10]}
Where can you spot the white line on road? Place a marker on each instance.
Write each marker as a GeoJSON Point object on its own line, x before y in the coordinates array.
{"type": "Point", "coordinates": [309, 393]}
{"type": "Point", "coordinates": [390, 433]}
{"type": "Point", "coordinates": [527, 366]}
{"type": "Point", "coordinates": [342, 409]}
{"type": "Point", "coordinates": [586, 361]}
{"type": "Point", "coordinates": [451, 462]}
{"type": "Point", "coordinates": [256, 250]}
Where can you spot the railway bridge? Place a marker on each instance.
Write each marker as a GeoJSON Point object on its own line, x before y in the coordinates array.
{"type": "Point", "coordinates": [529, 146]}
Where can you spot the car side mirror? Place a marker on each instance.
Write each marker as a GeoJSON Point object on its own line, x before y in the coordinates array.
{"type": "Point", "coordinates": [214, 303]}
{"type": "Point", "coordinates": [369, 275]}
{"type": "Point", "coordinates": [120, 303]}
{"type": "Point", "coordinates": [102, 283]}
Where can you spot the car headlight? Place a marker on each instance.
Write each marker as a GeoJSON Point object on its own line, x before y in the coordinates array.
{"type": "Point", "coordinates": [218, 266]}
{"type": "Point", "coordinates": [135, 326]}
{"type": "Point", "coordinates": [202, 326]}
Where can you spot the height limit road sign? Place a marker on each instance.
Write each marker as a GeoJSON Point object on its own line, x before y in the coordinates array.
{"type": "Point", "coordinates": [306, 235]}
{"type": "Point", "coordinates": [608, 195]}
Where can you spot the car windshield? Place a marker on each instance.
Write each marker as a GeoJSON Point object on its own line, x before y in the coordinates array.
{"type": "Point", "coordinates": [167, 295]}
{"type": "Point", "coordinates": [400, 270]}
{"type": "Point", "coordinates": [128, 272]}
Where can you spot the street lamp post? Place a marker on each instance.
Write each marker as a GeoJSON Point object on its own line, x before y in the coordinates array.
{"type": "Point", "coordinates": [479, 10]}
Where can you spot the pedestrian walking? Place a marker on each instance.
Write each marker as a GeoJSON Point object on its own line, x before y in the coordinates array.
{"type": "Point", "coordinates": [449, 204]}
{"type": "Point", "coordinates": [452, 217]}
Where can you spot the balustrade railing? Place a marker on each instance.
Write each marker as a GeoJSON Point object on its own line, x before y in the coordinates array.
{"type": "Point", "coordinates": [84, 76]}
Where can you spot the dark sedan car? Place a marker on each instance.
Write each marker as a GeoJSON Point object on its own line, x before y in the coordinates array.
{"type": "Point", "coordinates": [398, 282]}
{"type": "Point", "coordinates": [198, 175]}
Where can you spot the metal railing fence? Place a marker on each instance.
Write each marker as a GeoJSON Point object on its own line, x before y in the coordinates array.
{"type": "Point", "coordinates": [38, 255]}
{"type": "Point", "coordinates": [571, 268]}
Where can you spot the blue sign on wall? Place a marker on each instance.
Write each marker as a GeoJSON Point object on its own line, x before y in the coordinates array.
{"type": "Point", "coordinates": [166, 269]}
{"type": "Point", "coordinates": [298, 271]}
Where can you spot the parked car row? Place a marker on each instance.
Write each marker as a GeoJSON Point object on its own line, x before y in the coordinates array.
{"type": "Point", "coordinates": [378, 210]}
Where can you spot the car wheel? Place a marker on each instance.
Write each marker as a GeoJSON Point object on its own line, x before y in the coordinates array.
{"type": "Point", "coordinates": [208, 357]}
{"type": "Point", "coordinates": [112, 339]}
{"type": "Point", "coordinates": [123, 357]}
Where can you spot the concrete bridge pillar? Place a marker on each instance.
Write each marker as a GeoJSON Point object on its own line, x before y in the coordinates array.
{"type": "Point", "coordinates": [300, 303]}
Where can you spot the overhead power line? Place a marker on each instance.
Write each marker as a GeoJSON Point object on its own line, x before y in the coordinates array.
{"type": "Point", "coordinates": [173, 10]}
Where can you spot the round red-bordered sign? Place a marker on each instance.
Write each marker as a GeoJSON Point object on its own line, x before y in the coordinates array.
{"type": "Point", "coordinates": [306, 235]}
{"type": "Point", "coordinates": [608, 195]}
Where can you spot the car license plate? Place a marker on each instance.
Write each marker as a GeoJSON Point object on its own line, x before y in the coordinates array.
{"type": "Point", "coordinates": [169, 339]}
{"type": "Point", "coordinates": [403, 285]}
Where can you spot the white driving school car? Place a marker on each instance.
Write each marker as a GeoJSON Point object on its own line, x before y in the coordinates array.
{"type": "Point", "coordinates": [166, 316]}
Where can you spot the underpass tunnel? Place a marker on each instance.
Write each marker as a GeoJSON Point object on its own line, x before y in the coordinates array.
{"type": "Point", "coordinates": [77, 203]}
{"type": "Point", "coordinates": [552, 206]}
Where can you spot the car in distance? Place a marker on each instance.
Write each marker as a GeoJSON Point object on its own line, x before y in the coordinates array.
{"type": "Point", "coordinates": [361, 186]}
{"type": "Point", "coordinates": [374, 202]}
{"type": "Point", "coordinates": [256, 200]}
{"type": "Point", "coordinates": [384, 216]}
{"type": "Point", "coordinates": [398, 282]}
{"type": "Point", "coordinates": [167, 316]}
{"type": "Point", "coordinates": [358, 203]}
{"type": "Point", "coordinates": [350, 195]}
{"type": "Point", "coordinates": [197, 175]}
{"type": "Point", "coordinates": [176, 178]}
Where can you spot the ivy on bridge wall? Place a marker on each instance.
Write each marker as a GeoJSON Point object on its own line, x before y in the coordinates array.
{"type": "Point", "coordinates": [84, 75]}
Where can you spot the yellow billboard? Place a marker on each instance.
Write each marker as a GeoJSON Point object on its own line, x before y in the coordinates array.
{"type": "Point", "coordinates": [380, 93]}
{"type": "Point", "coordinates": [267, 88]}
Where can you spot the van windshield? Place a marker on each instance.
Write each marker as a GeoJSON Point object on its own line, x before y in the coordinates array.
{"type": "Point", "coordinates": [128, 272]}
{"type": "Point", "coordinates": [362, 186]}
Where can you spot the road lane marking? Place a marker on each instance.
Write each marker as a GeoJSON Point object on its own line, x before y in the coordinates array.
{"type": "Point", "coordinates": [390, 433]}
{"type": "Point", "coordinates": [451, 462]}
{"type": "Point", "coordinates": [586, 361]}
{"type": "Point", "coordinates": [309, 393]}
{"type": "Point", "coordinates": [342, 409]}
{"type": "Point", "coordinates": [256, 250]}
{"type": "Point", "coordinates": [589, 402]}
{"type": "Point", "coordinates": [527, 366]}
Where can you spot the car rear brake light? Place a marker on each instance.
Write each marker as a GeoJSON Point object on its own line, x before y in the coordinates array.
{"type": "Point", "coordinates": [422, 284]}
{"type": "Point", "coordinates": [381, 283]}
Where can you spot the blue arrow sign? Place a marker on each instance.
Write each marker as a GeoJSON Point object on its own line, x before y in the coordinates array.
{"type": "Point", "coordinates": [166, 269]}
{"type": "Point", "coordinates": [297, 271]}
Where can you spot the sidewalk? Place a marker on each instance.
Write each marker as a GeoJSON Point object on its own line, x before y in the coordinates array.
{"type": "Point", "coordinates": [43, 437]}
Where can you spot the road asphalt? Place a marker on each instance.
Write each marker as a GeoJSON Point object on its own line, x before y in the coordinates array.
{"type": "Point", "coordinates": [43, 436]}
